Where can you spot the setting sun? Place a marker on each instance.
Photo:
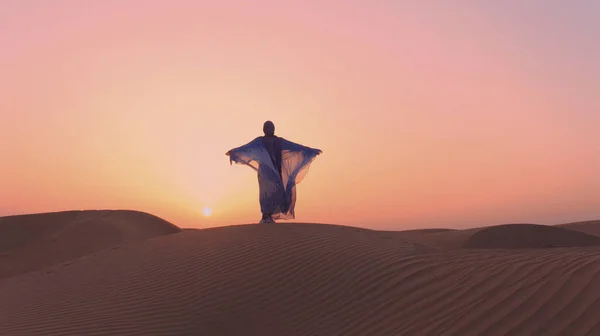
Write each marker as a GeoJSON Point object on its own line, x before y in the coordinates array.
{"type": "Point", "coordinates": [207, 212]}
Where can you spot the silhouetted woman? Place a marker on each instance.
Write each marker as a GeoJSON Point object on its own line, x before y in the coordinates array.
{"type": "Point", "coordinates": [281, 165]}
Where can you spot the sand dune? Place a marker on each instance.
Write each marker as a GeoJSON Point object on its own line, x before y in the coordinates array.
{"type": "Point", "coordinates": [444, 239]}
{"type": "Point", "coordinates": [508, 236]}
{"type": "Point", "coordinates": [589, 227]}
{"type": "Point", "coordinates": [30, 242]}
{"type": "Point", "coordinates": [307, 279]}
{"type": "Point", "coordinates": [529, 236]}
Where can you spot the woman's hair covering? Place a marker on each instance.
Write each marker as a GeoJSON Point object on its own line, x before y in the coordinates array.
{"type": "Point", "coordinates": [269, 128]}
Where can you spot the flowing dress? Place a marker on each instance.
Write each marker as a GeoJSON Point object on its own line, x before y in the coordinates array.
{"type": "Point", "coordinates": [281, 165]}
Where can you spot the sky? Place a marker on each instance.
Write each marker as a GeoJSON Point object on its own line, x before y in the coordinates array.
{"type": "Point", "coordinates": [429, 113]}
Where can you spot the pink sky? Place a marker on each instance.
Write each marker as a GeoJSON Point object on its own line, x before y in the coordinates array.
{"type": "Point", "coordinates": [429, 113]}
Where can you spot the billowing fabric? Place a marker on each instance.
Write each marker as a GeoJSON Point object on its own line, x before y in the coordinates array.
{"type": "Point", "coordinates": [277, 187]}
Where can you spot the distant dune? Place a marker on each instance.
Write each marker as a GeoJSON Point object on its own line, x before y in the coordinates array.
{"type": "Point", "coordinates": [30, 242]}
{"type": "Point", "coordinates": [307, 279]}
{"type": "Point", "coordinates": [529, 236]}
{"type": "Point", "coordinates": [589, 227]}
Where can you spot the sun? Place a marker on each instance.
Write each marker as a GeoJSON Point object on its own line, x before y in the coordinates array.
{"type": "Point", "coordinates": [207, 211]}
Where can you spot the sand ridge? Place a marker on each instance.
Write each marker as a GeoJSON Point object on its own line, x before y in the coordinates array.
{"type": "Point", "coordinates": [529, 236]}
{"type": "Point", "coordinates": [508, 236]}
{"type": "Point", "coordinates": [589, 227]}
{"type": "Point", "coordinates": [309, 279]}
{"type": "Point", "coordinates": [30, 242]}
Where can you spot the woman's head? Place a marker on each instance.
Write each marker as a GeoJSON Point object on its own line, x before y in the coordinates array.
{"type": "Point", "coordinates": [269, 128]}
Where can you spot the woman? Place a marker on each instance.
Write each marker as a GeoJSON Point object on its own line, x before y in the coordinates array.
{"type": "Point", "coordinates": [281, 165]}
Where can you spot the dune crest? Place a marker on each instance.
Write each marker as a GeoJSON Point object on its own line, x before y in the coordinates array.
{"type": "Point", "coordinates": [589, 227]}
{"type": "Point", "coordinates": [512, 236]}
{"type": "Point", "coordinates": [31, 242]}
